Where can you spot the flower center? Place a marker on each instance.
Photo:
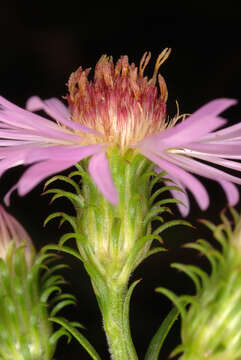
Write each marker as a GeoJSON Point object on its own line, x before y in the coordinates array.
{"type": "Point", "coordinates": [120, 103]}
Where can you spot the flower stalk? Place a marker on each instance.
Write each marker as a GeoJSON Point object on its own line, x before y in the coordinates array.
{"type": "Point", "coordinates": [113, 321]}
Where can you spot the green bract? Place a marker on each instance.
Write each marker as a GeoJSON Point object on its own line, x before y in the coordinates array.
{"type": "Point", "coordinates": [25, 290]}
{"type": "Point", "coordinates": [113, 239]}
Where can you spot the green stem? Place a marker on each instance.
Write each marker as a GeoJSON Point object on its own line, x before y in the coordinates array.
{"type": "Point", "coordinates": [119, 341]}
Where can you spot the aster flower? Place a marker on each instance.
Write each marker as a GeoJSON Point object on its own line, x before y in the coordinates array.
{"type": "Point", "coordinates": [28, 280]}
{"type": "Point", "coordinates": [120, 108]}
{"type": "Point", "coordinates": [11, 230]}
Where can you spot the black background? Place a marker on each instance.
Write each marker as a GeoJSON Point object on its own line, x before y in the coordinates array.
{"type": "Point", "coordinates": [43, 42]}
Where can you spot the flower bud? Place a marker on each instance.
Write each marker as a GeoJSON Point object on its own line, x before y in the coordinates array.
{"type": "Point", "coordinates": [12, 231]}
{"type": "Point", "coordinates": [25, 286]}
{"type": "Point", "coordinates": [211, 326]}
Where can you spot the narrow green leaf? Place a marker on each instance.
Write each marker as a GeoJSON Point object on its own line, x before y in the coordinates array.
{"type": "Point", "coordinates": [64, 249]}
{"type": "Point", "coordinates": [235, 215]}
{"type": "Point", "coordinates": [157, 178]}
{"type": "Point", "coordinates": [138, 247]}
{"type": "Point", "coordinates": [155, 251]}
{"type": "Point", "coordinates": [208, 224]}
{"type": "Point", "coordinates": [161, 190]}
{"type": "Point", "coordinates": [80, 239]}
{"type": "Point", "coordinates": [64, 216]}
{"type": "Point", "coordinates": [50, 271]}
{"type": "Point", "coordinates": [53, 280]}
{"type": "Point", "coordinates": [208, 251]}
{"type": "Point", "coordinates": [179, 349]}
{"type": "Point", "coordinates": [115, 233]}
{"type": "Point", "coordinates": [145, 177]}
{"type": "Point", "coordinates": [78, 336]}
{"type": "Point", "coordinates": [169, 224]}
{"type": "Point", "coordinates": [168, 201]}
{"type": "Point", "coordinates": [153, 213]}
{"type": "Point", "coordinates": [158, 218]}
{"type": "Point", "coordinates": [175, 299]}
{"type": "Point", "coordinates": [60, 306]}
{"type": "Point", "coordinates": [75, 173]}
{"type": "Point", "coordinates": [61, 297]}
{"type": "Point", "coordinates": [126, 324]}
{"type": "Point", "coordinates": [66, 179]}
{"type": "Point", "coordinates": [161, 334]}
{"type": "Point", "coordinates": [57, 334]}
{"type": "Point", "coordinates": [79, 167]}
{"type": "Point", "coordinates": [75, 199]}
{"type": "Point", "coordinates": [190, 273]}
{"type": "Point", "coordinates": [46, 293]}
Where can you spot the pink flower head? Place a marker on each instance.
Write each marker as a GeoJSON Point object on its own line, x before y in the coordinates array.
{"type": "Point", "coordinates": [12, 230]}
{"type": "Point", "coordinates": [120, 107]}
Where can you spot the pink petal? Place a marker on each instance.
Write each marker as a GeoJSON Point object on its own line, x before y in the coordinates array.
{"type": "Point", "coordinates": [218, 161]}
{"type": "Point", "coordinates": [227, 133]}
{"type": "Point", "coordinates": [100, 172]}
{"type": "Point", "coordinates": [224, 149]}
{"type": "Point", "coordinates": [199, 168]}
{"type": "Point", "coordinates": [26, 116]}
{"type": "Point", "coordinates": [72, 153]}
{"type": "Point", "coordinates": [189, 181]}
{"type": "Point", "coordinates": [200, 123]}
{"type": "Point", "coordinates": [10, 143]}
{"type": "Point", "coordinates": [14, 115]}
{"type": "Point", "coordinates": [231, 192]}
{"type": "Point", "coordinates": [12, 160]}
{"type": "Point", "coordinates": [29, 122]}
{"type": "Point", "coordinates": [7, 104]}
{"type": "Point", "coordinates": [181, 134]}
{"type": "Point", "coordinates": [6, 198]}
{"type": "Point", "coordinates": [32, 153]}
{"type": "Point", "coordinates": [53, 108]}
{"type": "Point", "coordinates": [38, 172]}
{"type": "Point", "coordinates": [214, 107]}
{"type": "Point", "coordinates": [47, 134]}
{"type": "Point", "coordinates": [179, 195]}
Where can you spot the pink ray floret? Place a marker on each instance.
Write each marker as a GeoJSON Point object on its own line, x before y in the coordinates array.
{"type": "Point", "coordinates": [178, 150]}
{"type": "Point", "coordinates": [122, 108]}
{"type": "Point", "coordinates": [30, 139]}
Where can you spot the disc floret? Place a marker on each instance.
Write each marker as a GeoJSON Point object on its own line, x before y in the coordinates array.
{"type": "Point", "coordinates": [122, 104]}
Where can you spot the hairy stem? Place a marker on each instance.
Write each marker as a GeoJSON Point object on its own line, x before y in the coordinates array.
{"type": "Point", "coordinates": [119, 341]}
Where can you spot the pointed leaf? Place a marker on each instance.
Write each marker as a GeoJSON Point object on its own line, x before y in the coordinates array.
{"type": "Point", "coordinates": [161, 190]}
{"type": "Point", "coordinates": [76, 199]}
{"type": "Point", "coordinates": [57, 334]}
{"type": "Point", "coordinates": [177, 301]}
{"type": "Point", "coordinates": [60, 306]}
{"type": "Point", "coordinates": [126, 325]}
{"type": "Point", "coordinates": [64, 249]}
{"type": "Point", "coordinates": [170, 224]}
{"type": "Point", "coordinates": [161, 334]}
{"type": "Point", "coordinates": [64, 216]}
{"type": "Point", "coordinates": [78, 336]}
{"type": "Point", "coordinates": [65, 179]}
